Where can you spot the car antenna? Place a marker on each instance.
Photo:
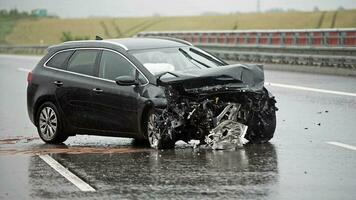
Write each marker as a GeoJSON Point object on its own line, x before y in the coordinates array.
{"type": "Point", "coordinates": [98, 38]}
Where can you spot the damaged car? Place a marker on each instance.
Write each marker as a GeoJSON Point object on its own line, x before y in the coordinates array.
{"type": "Point", "coordinates": [156, 90]}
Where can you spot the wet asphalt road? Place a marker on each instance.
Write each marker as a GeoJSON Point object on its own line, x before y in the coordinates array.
{"type": "Point", "coordinates": [297, 164]}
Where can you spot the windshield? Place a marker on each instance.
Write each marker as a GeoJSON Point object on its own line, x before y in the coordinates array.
{"type": "Point", "coordinates": [158, 61]}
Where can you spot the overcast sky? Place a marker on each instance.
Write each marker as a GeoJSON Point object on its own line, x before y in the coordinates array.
{"type": "Point", "coordinates": [120, 8]}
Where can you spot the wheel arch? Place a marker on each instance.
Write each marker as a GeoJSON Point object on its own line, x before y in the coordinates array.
{"type": "Point", "coordinates": [148, 105]}
{"type": "Point", "coordinates": [144, 114]}
{"type": "Point", "coordinates": [40, 101]}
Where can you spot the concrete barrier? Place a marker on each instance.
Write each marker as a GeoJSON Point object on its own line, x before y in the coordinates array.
{"type": "Point", "coordinates": [23, 49]}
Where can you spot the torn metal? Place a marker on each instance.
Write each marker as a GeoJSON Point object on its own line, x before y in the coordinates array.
{"type": "Point", "coordinates": [218, 107]}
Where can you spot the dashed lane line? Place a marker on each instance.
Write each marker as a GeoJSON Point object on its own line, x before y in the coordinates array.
{"type": "Point", "coordinates": [83, 186]}
{"type": "Point", "coordinates": [339, 144]}
{"type": "Point", "coordinates": [23, 69]}
{"type": "Point", "coordinates": [296, 87]}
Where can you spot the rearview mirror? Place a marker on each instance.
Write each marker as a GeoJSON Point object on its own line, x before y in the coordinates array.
{"type": "Point", "coordinates": [126, 80]}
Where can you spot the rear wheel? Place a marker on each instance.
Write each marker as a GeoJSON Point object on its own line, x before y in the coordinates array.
{"type": "Point", "coordinates": [158, 136]}
{"type": "Point", "coordinates": [49, 124]}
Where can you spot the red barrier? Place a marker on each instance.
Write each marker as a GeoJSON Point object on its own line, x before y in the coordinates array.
{"type": "Point", "coordinates": [333, 39]}
{"type": "Point", "coordinates": [241, 38]}
{"type": "Point", "coordinates": [212, 38]}
{"type": "Point", "coordinates": [204, 38]}
{"type": "Point", "coordinates": [302, 39]}
{"type": "Point", "coordinates": [252, 38]}
{"type": "Point", "coordinates": [317, 38]}
{"type": "Point", "coordinates": [221, 38]}
{"type": "Point", "coordinates": [264, 38]}
{"type": "Point", "coordinates": [276, 39]}
{"type": "Point", "coordinates": [350, 39]}
{"type": "Point", "coordinates": [231, 38]}
{"type": "Point", "coordinates": [195, 38]}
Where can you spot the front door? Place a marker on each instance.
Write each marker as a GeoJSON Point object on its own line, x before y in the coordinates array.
{"type": "Point", "coordinates": [115, 106]}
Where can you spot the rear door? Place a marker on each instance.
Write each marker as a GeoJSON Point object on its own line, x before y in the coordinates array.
{"type": "Point", "coordinates": [115, 106]}
{"type": "Point", "coordinates": [75, 86]}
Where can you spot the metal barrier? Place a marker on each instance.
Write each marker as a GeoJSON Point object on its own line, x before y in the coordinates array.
{"type": "Point", "coordinates": [318, 47]}
{"type": "Point", "coordinates": [308, 37]}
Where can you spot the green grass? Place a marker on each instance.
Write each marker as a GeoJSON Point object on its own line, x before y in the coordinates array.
{"type": "Point", "coordinates": [49, 31]}
{"type": "Point", "coordinates": [6, 26]}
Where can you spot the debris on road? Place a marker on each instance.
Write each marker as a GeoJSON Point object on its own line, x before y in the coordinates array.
{"type": "Point", "coordinates": [227, 135]}
{"type": "Point", "coordinates": [17, 139]}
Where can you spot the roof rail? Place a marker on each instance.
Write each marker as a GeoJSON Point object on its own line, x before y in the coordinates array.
{"type": "Point", "coordinates": [169, 38]}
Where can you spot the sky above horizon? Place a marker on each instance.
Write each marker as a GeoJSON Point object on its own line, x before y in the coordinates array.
{"type": "Point", "coordinates": [133, 8]}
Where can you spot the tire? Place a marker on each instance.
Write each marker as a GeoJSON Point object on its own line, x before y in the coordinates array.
{"type": "Point", "coordinates": [263, 124]}
{"type": "Point", "coordinates": [49, 124]}
{"type": "Point", "coordinates": [158, 138]}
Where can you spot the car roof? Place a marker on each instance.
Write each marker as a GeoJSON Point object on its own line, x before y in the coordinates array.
{"type": "Point", "coordinates": [123, 43]}
{"type": "Point", "coordinates": [148, 43]}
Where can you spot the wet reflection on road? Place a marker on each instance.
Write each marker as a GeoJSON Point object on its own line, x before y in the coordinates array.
{"type": "Point", "coordinates": [140, 172]}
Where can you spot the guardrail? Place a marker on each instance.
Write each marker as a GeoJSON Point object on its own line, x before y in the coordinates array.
{"type": "Point", "coordinates": [307, 37]}
{"type": "Point", "coordinates": [319, 47]}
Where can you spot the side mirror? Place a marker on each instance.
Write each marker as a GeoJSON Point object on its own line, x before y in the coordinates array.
{"type": "Point", "coordinates": [126, 80]}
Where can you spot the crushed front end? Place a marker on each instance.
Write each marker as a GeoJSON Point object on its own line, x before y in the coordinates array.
{"type": "Point", "coordinates": [218, 109]}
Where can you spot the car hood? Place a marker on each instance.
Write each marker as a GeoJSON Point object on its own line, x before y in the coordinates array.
{"type": "Point", "coordinates": [229, 77]}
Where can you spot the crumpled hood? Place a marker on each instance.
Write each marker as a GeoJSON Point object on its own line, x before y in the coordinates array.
{"type": "Point", "coordinates": [237, 77]}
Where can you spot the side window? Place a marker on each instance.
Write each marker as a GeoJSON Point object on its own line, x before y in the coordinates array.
{"type": "Point", "coordinates": [58, 60]}
{"type": "Point", "coordinates": [83, 61]}
{"type": "Point", "coordinates": [113, 65]}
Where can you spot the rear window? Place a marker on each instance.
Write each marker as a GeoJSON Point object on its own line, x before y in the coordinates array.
{"type": "Point", "coordinates": [83, 61]}
{"type": "Point", "coordinates": [59, 60]}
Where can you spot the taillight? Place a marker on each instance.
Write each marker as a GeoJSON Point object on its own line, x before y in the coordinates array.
{"type": "Point", "coordinates": [29, 77]}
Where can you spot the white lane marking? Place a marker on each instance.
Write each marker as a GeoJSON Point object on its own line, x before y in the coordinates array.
{"type": "Point", "coordinates": [311, 89]}
{"type": "Point", "coordinates": [83, 186]}
{"type": "Point", "coordinates": [23, 69]}
{"type": "Point", "coordinates": [346, 146]}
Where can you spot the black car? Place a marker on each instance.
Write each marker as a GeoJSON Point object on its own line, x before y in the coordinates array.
{"type": "Point", "coordinates": [150, 89]}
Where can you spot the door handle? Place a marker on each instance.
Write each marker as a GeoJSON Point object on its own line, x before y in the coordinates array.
{"type": "Point", "coordinates": [58, 83]}
{"type": "Point", "coordinates": [98, 90]}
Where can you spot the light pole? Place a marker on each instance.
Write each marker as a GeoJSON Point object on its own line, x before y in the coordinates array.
{"type": "Point", "coordinates": [258, 6]}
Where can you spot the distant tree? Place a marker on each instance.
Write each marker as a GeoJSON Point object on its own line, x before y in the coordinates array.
{"type": "Point", "coordinates": [275, 10]}
{"type": "Point", "coordinates": [340, 8]}
{"type": "Point", "coordinates": [316, 9]}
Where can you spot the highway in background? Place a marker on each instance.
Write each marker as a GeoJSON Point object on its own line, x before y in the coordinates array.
{"type": "Point", "coordinates": [312, 156]}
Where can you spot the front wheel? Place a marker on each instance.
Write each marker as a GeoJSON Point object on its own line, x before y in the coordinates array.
{"type": "Point", "coordinates": [263, 124]}
{"type": "Point", "coordinates": [49, 124]}
{"type": "Point", "coordinates": [157, 135]}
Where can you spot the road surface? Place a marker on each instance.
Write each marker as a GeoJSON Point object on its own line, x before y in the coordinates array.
{"type": "Point", "coordinates": [312, 156]}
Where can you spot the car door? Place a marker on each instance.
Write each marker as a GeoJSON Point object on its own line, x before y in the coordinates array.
{"type": "Point", "coordinates": [115, 106]}
{"type": "Point", "coordinates": [74, 88]}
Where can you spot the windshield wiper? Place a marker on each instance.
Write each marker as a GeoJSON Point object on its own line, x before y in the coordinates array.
{"type": "Point", "coordinates": [191, 58]}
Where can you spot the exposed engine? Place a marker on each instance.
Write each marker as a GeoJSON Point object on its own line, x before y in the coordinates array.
{"type": "Point", "coordinates": [211, 118]}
